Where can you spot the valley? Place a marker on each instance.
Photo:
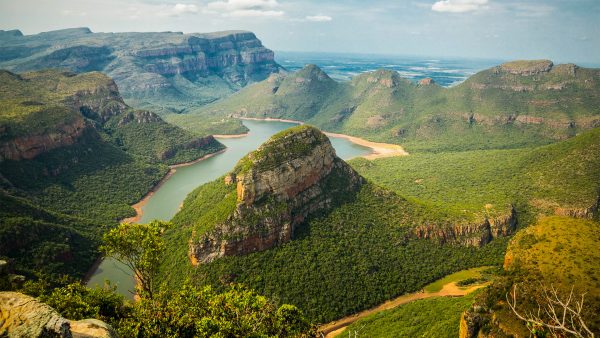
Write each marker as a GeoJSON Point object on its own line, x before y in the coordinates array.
{"type": "Point", "coordinates": [171, 184]}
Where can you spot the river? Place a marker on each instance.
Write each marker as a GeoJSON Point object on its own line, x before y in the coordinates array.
{"type": "Point", "coordinates": [165, 202]}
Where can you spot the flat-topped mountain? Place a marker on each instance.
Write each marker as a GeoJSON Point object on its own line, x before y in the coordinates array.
{"type": "Point", "coordinates": [270, 193]}
{"type": "Point", "coordinates": [167, 71]}
{"type": "Point", "coordinates": [512, 105]}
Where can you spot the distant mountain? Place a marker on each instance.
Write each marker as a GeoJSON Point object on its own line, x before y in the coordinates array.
{"type": "Point", "coordinates": [165, 72]}
{"type": "Point", "coordinates": [512, 105]}
{"type": "Point", "coordinates": [73, 157]}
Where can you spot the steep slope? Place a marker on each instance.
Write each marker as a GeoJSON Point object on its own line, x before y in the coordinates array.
{"type": "Point", "coordinates": [296, 223]}
{"type": "Point", "coordinates": [73, 157]}
{"type": "Point", "coordinates": [559, 252]}
{"type": "Point", "coordinates": [166, 72]}
{"type": "Point", "coordinates": [513, 105]}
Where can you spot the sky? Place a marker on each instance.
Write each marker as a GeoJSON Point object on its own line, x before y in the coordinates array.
{"type": "Point", "coordinates": [560, 30]}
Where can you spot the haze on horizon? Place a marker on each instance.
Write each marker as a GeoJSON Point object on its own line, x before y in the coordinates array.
{"type": "Point", "coordinates": [561, 30]}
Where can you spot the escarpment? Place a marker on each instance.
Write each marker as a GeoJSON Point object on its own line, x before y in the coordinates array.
{"type": "Point", "coordinates": [47, 110]}
{"type": "Point", "coordinates": [292, 176]}
{"type": "Point", "coordinates": [166, 70]}
{"type": "Point", "coordinates": [476, 233]}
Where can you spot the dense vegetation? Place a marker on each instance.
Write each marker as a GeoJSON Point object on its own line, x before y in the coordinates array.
{"type": "Point", "coordinates": [493, 109]}
{"type": "Point", "coordinates": [360, 254]}
{"type": "Point", "coordinates": [436, 317]}
{"type": "Point", "coordinates": [463, 184]}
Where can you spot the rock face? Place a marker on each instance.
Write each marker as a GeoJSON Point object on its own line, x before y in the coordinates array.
{"type": "Point", "coordinates": [527, 68]}
{"type": "Point", "coordinates": [472, 234]}
{"type": "Point", "coordinates": [24, 316]}
{"type": "Point", "coordinates": [293, 175]}
{"type": "Point", "coordinates": [30, 146]}
{"type": "Point", "coordinates": [159, 67]}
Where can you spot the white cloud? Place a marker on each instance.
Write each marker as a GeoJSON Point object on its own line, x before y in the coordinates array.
{"type": "Point", "coordinates": [68, 12]}
{"type": "Point", "coordinates": [179, 9]}
{"type": "Point", "coordinates": [319, 18]}
{"type": "Point", "coordinates": [458, 6]}
{"type": "Point", "coordinates": [246, 8]}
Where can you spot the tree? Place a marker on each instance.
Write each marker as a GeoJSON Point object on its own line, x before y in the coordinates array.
{"type": "Point", "coordinates": [559, 316]}
{"type": "Point", "coordinates": [141, 248]}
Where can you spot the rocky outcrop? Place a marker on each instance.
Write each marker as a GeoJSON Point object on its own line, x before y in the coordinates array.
{"type": "Point", "coordinates": [293, 175]}
{"type": "Point", "coordinates": [473, 233]}
{"type": "Point", "coordinates": [92, 328]}
{"type": "Point", "coordinates": [526, 68]}
{"type": "Point", "coordinates": [30, 146]}
{"type": "Point", "coordinates": [24, 316]}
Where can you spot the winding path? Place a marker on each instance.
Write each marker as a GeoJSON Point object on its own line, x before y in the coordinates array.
{"type": "Point", "coordinates": [334, 328]}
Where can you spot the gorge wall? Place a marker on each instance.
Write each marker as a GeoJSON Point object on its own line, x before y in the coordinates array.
{"type": "Point", "coordinates": [475, 233]}
{"type": "Point", "coordinates": [173, 68]}
{"type": "Point", "coordinates": [294, 175]}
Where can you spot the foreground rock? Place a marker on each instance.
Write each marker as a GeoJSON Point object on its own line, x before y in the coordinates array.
{"type": "Point", "coordinates": [25, 316]}
{"type": "Point", "coordinates": [293, 175]}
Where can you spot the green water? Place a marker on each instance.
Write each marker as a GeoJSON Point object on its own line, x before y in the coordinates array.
{"type": "Point", "coordinates": [166, 201]}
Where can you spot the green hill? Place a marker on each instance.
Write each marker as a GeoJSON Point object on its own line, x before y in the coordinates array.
{"type": "Point", "coordinates": [332, 246]}
{"type": "Point", "coordinates": [517, 104]}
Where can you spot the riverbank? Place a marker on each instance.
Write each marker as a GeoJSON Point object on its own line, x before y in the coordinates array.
{"type": "Point", "coordinates": [449, 290]}
{"type": "Point", "coordinates": [380, 150]}
{"type": "Point", "coordinates": [172, 169]}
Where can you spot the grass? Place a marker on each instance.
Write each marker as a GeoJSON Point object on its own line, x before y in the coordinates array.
{"type": "Point", "coordinates": [436, 317]}
{"type": "Point", "coordinates": [456, 277]}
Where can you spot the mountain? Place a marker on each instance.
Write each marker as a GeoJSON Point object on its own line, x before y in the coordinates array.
{"type": "Point", "coordinates": [165, 72]}
{"type": "Point", "coordinates": [73, 157]}
{"type": "Point", "coordinates": [513, 105]}
{"type": "Point", "coordinates": [298, 224]}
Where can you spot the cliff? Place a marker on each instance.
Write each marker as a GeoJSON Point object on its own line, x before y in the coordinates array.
{"type": "Point", "coordinates": [472, 233]}
{"type": "Point", "coordinates": [154, 70]}
{"type": "Point", "coordinates": [292, 176]}
{"type": "Point", "coordinates": [46, 110]}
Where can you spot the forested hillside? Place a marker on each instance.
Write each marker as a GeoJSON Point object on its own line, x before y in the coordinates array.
{"type": "Point", "coordinates": [71, 148]}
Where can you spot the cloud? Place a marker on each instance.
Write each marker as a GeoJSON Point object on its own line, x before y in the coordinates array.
{"type": "Point", "coordinates": [180, 9]}
{"type": "Point", "coordinates": [458, 6]}
{"type": "Point", "coordinates": [68, 12]}
{"type": "Point", "coordinates": [319, 18]}
{"type": "Point", "coordinates": [246, 8]}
